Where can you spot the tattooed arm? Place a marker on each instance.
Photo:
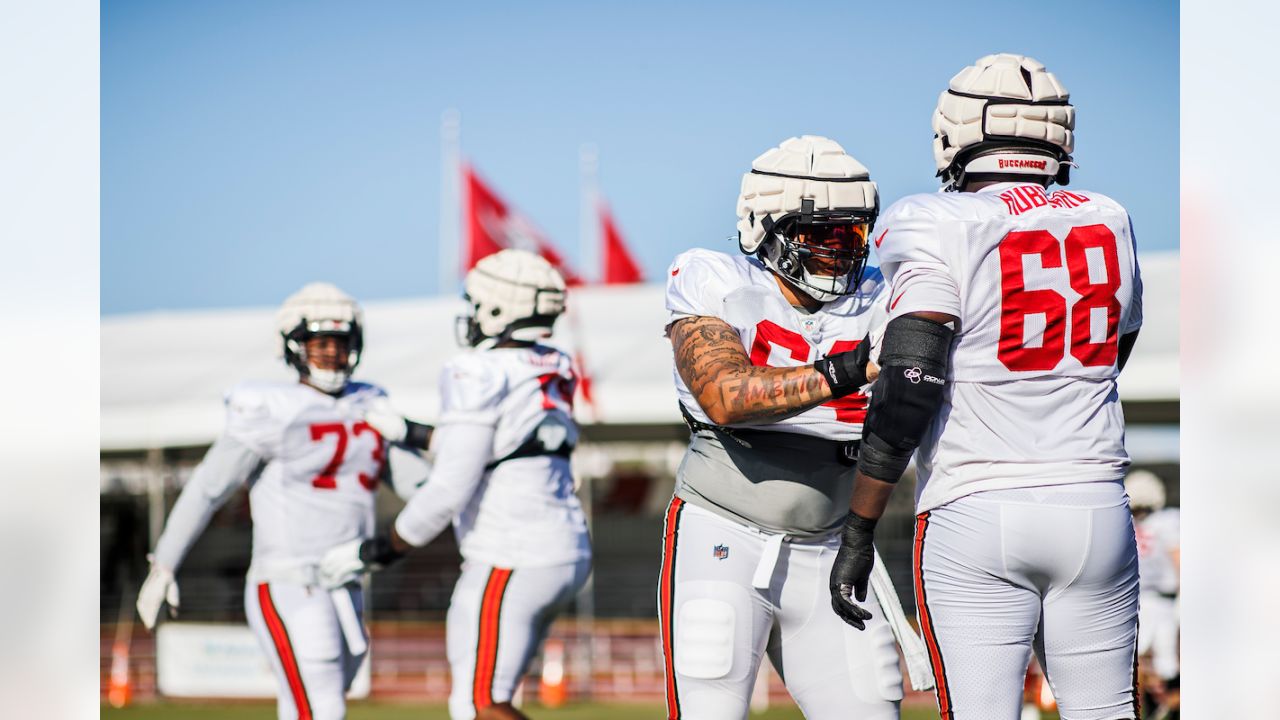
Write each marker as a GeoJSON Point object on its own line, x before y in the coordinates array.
{"type": "Point", "coordinates": [713, 363]}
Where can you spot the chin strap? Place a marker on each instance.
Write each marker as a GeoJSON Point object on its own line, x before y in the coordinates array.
{"type": "Point", "coordinates": [329, 381]}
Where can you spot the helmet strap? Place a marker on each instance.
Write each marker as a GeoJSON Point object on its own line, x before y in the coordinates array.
{"type": "Point", "coordinates": [331, 382]}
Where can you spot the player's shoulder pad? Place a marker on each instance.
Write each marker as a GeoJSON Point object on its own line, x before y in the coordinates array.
{"type": "Point", "coordinates": [1094, 197]}
{"type": "Point", "coordinates": [908, 229]}
{"type": "Point", "coordinates": [873, 285]}
{"type": "Point", "coordinates": [367, 389]}
{"type": "Point", "coordinates": [1169, 516]}
{"type": "Point", "coordinates": [252, 396]}
{"type": "Point", "coordinates": [872, 279]}
{"type": "Point", "coordinates": [472, 381]}
{"type": "Point", "coordinates": [871, 291]}
{"type": "Point", "coordinates": [699, 280]}
{"type": "Point", "coordinates": [256, 410]}
{"type": "Point", "coordinates": [700, 264]}
{"type": "Point", "coordinates": [563, 358]}
{"type": "Point", "coordinates": [939, 207]}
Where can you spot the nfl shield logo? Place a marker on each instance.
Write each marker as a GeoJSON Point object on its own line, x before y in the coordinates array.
{"type": "Point", "coordinates": [720, 552]}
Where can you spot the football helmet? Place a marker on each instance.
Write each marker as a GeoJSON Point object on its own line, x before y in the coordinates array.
{"type": "Point", "coordinates": [1004, 115]}
{"type": "Point", "coordinates": [513, 295]}
{"type": "Point", "coordinates": [806, 209]}
{"type": "Point", "coordinates": [1145, 490]}
{"type": "Point", "coordinates": [320, 309]}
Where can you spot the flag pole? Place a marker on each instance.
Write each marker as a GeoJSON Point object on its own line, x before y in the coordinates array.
{"type": "Point", "coordinates": [588, 222]}
{"type": "Point", "coordinates": [450, 200]}
{"type": "Point", "coordinates": [588, 263]}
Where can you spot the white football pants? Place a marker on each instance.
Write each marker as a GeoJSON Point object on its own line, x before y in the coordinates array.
{"type": "Point", "coordinates": [1053, 567]}
{"type": "Point", "coordinates": [1158, 633]}
{"type": "Point", "coordinates": [298, 629]}
{"type": "Point", "coordinates": [729, 593]}
{"type": "Point", "coordinates": [498, 617]}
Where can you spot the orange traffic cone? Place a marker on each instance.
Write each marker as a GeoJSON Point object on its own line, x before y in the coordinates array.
{"type": "Point", "coordinates": [1046, 699]}
{"type": "Point", "coordinates": [552, 691]}
{"type": "Point", "coordinates": [118, 691]}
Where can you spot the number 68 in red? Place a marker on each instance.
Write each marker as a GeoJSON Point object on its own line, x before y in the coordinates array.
{"type": "Point", "coordinates": [1017, 302]}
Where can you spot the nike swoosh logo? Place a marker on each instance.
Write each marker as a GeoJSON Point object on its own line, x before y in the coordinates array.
{"type": "Point", "coordinates": [881, 238]}
{"type": "Point", "coordinates": [675, 272]}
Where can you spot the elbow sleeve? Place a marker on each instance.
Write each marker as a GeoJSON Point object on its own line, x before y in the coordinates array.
{"type": "Point", "coordinates": [906, 397]}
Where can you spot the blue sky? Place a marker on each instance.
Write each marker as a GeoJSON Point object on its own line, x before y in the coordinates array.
{"type": "Point", "coordinates": [250, 147]}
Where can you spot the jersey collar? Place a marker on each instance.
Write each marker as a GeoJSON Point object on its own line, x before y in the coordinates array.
{"type": "Point", "coordinates": [1001, 187]}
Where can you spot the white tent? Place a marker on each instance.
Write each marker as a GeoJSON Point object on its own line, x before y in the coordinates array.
{"type": "Point", "coordinates": [163, 374]}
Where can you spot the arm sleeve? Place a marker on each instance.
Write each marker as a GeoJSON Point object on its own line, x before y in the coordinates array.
{"type": "Point", "coordinates": [463, 450]}
{"type": "Point", "coordinates": [224, 468]}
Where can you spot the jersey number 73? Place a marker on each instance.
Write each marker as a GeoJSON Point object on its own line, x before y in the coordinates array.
{"type": "Point", "coordinates": [328, 477]}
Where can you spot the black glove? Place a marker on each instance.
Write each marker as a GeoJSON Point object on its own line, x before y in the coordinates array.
{"type": "Point", "coordinates": [377, 552]}
{"type": "Point", "coordinates": [852, 570]}
{"type": "Point", "coordinates": [847, 371]}
{"type": "Point", "coordinates": [417, 435]}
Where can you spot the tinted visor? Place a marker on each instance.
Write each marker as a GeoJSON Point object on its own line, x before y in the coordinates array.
{"type": "Point", "coordinates": [836, 248]}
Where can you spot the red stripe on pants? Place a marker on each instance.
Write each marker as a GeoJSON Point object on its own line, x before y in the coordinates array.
{"type": "Point", "coordinates": [284, 648]}
{"type": "Point", "coordinates": [666, 602]}
{"type": "Point", "coordinates": [487, 638]}
{"type": "Point", "coordinates": [926, 622]}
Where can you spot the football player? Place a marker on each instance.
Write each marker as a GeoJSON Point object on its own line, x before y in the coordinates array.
{"type": "Point", "coordinates": [1159, 561]}
{"type": "Point", "coordinates": [1012, 312]}
{"type": "Point", "coordinates": [502, 476]}
{"type": "Point", "coordinates": [770, 356]}
{"type": "Point", "coordinates": [313, 461]}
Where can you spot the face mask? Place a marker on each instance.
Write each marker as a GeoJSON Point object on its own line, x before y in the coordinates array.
{"type": "Point", "coordinates": [824, 288]}
{"type": "Point", "coordinates": [328, 381]}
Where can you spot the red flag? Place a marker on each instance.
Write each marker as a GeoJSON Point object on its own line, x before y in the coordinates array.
{"type": "Point", "coordinates": [492, 226]}
{"type": "Point", "coordinates": [620, 267]}
{"type": "Point", "coordinates": [584, 379]}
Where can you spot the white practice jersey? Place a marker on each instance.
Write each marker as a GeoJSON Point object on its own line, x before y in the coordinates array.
{"type": "Point", "coordinates": [523, 512]}
{"type": "Point", "coordinates": [1158, 541]}
{"type": "Point", "coordinates": [742, 292]}
{"type": "Point", "coordinates": [1044, 285]}
{"type": "Point", "coordinates": [323, 462]}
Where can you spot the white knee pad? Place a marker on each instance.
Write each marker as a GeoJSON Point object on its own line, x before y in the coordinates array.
{"type": "Point", "coordinates": [874, 671]}
{"type": "Point", "coordinates": [704, 638]}
{"type": "Point", "coordinates": [314, 631]}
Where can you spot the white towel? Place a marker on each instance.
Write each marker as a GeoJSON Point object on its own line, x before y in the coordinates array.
{"type": "Point", "coordinates": [918, 667]}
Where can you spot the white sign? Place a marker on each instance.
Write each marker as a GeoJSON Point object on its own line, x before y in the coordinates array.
{"type": "Point", "coordinates": [221, 660]}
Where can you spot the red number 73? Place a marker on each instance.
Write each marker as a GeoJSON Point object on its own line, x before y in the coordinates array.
{"type": "Point", "coordinates": [328, 477]}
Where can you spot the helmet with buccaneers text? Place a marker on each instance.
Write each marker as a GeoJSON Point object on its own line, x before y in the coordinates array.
{"type": "Point", "coordinates": [320, 309]}
{"type": "Point", "coordinates": [513, 295]}
{"type": "Point", "coordinates": [805, 210]}
{"type": "Point", "coordinates": [1004, 115]}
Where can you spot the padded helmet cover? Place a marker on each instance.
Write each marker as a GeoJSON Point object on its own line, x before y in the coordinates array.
{"type": "Point", "coordinates": [1009, 105]}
